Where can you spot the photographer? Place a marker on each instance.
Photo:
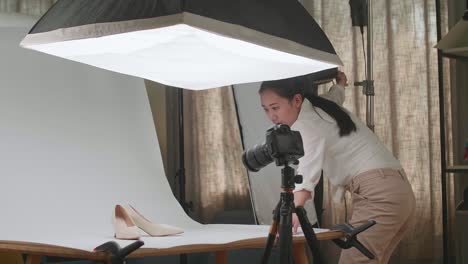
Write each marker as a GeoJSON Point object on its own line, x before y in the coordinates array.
{"type": "Point", "coordinates": [353, 159]}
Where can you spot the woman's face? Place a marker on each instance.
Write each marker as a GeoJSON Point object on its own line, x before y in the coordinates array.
{"type": "Point", "coordinates": [281, 110]}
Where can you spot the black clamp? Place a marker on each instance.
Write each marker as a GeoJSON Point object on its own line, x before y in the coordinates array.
{"type": "Point", "coordinates": [117, 254]}
{"type": "Point", "coordinates": [367, 87]}
{"type": "Point", "coordinates": [350, 239]}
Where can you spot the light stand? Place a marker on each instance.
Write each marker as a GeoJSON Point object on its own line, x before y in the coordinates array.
{"type": "Point", "coordinates": [180, 175]}
{"type": "Point", "coordinates": [368, 84]}
{"type": "Point", "coordinates": [369, 87]}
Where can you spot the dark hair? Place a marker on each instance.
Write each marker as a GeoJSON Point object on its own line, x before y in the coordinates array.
{"type": "Point", "coordinates": [288, 88]}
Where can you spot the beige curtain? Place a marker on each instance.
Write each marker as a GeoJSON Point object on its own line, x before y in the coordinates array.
{"type": "Point", "coordinates": [406, 104]}
{"type": "Point", "coordinates": [27, 7]}
{"type": "Point", "coordinates": [216, 178]}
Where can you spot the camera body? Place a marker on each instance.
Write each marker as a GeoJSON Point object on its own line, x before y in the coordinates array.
{"type": "Point", "coordinates": [282, 145]}
{"type": "Point", "coordinates": [285, 145]}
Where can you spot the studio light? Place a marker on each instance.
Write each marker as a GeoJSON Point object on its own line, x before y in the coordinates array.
{"type": "Point", "coordinates": [193, 44]}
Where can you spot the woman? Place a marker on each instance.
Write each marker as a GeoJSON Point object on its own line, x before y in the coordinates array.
{"type": "Point", "coordinates": [352, 157]}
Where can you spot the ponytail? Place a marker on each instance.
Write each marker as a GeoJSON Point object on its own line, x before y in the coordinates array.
{"type": "Point", "coordinates": [287, 88]}
{"type": "Point", "coordinates": [343, 120]}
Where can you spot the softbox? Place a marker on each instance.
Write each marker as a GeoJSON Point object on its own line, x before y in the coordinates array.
{"type": "Point", "coordinates": [194, 44]}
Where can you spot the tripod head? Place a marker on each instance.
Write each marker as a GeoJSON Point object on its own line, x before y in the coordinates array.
{"type": "Point", "coordinates": [288, 178]}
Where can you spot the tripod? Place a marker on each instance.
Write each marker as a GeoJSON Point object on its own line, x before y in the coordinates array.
{"type": "Point", "coordinates": [282, 221]}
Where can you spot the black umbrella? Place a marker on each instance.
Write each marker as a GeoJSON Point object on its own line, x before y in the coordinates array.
{"type": "Point", "coordinates": [193, 44]}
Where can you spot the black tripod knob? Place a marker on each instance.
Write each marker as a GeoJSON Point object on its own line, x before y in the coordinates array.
{"type": "Point", "coordinates": [351, 240]}
{"type": "Point", "coordinates": [298, 179]}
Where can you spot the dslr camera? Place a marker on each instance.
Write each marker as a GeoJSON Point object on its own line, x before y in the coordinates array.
{"type": "Point", "coordinates": [282, 145]}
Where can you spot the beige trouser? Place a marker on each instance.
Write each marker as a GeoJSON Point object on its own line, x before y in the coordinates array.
{"type": "Point", "coordinates": [384, 195]}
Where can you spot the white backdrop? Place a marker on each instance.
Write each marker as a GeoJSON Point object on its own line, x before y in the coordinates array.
{"type": "Point", "coordinates": [76, 140]}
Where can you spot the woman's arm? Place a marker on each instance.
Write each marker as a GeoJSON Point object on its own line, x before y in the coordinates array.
{"type": "Point", "coordinates": [336, 94]}
{"type": "Point", "coordinates": [300, 197]}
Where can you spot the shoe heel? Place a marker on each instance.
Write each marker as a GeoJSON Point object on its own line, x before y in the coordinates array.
{"type": "Point", "coordinates": [124, 227]}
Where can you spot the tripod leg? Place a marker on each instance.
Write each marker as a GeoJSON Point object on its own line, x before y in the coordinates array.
{"type": "Point", "coordinates": [309, 234]}
{"type": "Point", "coordinates": [270, 242]}
{"type": "Point", "coordinates": [272, 234]}
{"type": "Point", "coordinates": [285, 230]}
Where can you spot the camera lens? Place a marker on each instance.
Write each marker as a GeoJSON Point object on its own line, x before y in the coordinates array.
{"type": "Point", "coordinates": [257, 157]}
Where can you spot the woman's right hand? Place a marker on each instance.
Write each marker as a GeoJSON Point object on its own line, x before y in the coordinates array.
{"type": "Point", "coordinates": [295, 222]}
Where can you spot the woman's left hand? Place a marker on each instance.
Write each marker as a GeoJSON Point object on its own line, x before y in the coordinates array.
{"type": "Point", "coordinates": [295, 222]}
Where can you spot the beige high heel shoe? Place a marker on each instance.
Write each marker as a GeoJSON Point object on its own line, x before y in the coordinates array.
{"type": "Point", "coordinates": [151, 228]}
{"type": "Point", "coordinates": [124, 226]}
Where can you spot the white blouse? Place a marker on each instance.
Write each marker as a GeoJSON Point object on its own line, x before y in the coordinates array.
{"type": "Point", "coordinates": [341, 158]}
{"type": "Point", "coordinates": [336, 93]}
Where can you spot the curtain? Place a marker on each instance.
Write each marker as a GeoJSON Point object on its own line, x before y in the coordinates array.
{"type": "Point", "coordinates": [216, 178]}
{"type": "Point", "coordinates": [406, 104]}
{"type": "Point", "coordinates": [27, 7]}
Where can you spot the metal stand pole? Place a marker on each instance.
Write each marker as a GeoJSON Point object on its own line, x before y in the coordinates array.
{"type": "Point", "coordinates": [442, 140]}
{"type": "Point", "coordinates": [252, 202]}
{"type": "Point", "coordinates": [181, 173]}
{"type": "Point", "coordinates": [370, 82]}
